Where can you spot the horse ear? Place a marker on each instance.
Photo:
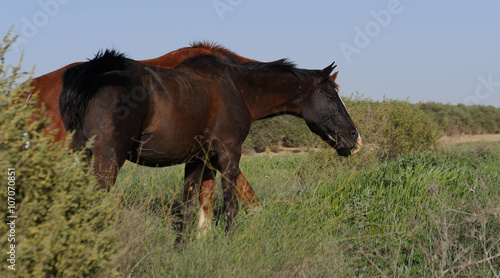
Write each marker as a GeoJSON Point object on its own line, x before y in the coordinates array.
{"type": "Point", "coordinates": [325, 73]}
{"type": "Point", "coordinates": [334, 75]}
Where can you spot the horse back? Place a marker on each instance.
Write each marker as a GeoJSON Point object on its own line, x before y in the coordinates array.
{"type": "Point", "coordinates": [192, 107]}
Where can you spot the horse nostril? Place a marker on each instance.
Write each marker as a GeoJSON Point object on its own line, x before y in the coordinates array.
{"type": "Point", "coordinates": [354, 134]}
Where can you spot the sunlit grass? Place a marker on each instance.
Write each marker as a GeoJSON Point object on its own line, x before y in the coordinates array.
{"type": "Point", "coordinates": [326, 216]}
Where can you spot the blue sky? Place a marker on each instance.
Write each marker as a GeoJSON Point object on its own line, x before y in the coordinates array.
{"type": "Point", "coordinates": [442, 51]}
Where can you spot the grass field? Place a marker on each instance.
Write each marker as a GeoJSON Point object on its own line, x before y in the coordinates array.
{"type": "Point", "coordinates": [429, 214]}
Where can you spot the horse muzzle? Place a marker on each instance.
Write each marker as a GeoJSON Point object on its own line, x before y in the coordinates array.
{"type": "Point", "coordinates": [347, 150]}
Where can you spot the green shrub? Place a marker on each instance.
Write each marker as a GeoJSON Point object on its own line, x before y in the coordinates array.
{"type": "Point", "coordinates": [408, 130]}
{"type": "Point", "coordinates": [285, 130]}
{"type": "Point", "coordinates": [461, 119]}
{"type": "Point", "coordinates": [63, 223]}
{"type": "Point", "coordinates": [393, 127]}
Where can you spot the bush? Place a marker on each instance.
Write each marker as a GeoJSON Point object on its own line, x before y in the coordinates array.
{"type": "Point", "coordinates": [63, 223]}
{"type": "Point", "coordinates": [408, 130]}
{"type": "Point", "coordinates": [393, 127]}
{"type": "Point", "coordinates": [461, 119]}
{"type": "Point", "coordinates": [285, 130]}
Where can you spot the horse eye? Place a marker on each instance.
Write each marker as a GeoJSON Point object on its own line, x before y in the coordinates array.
{"type": "Point", "coordinates": [331, 97]}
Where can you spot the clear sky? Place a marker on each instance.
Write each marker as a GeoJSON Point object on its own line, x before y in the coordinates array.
{"type": "Point", "coordinates": [442, 51]}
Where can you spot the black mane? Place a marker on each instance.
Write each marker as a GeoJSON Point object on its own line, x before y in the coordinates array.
{"type": "Point", "coordinates": [77, 90]}
{"type": "Point", "coordinates": [108, 55]}
{"type": "Point", "coordinates": [281, 65]}
{"type": "Point", "coordinates": [225, 55]}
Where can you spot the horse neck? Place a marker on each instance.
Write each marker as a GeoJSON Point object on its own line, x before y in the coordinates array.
{"type": "Point", "coordinates": [269, 95]}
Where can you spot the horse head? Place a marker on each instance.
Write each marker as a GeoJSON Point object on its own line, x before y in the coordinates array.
{"type": "Point", "coordinates": [326, 115]}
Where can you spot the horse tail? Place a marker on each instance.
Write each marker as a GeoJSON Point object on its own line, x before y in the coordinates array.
{"type": "Point", "coordinates": [83, 81]}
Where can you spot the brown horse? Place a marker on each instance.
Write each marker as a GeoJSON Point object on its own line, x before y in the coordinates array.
{"type": "Point", "coordinates": [49, 87]}
{"type": "Point", "coordinates": [198, 113]}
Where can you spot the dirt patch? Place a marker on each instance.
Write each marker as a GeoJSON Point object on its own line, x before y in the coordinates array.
{"type": "Point", "coordinates": [280, 151]}
{"type": "Point", "coordinates": [470, 138]}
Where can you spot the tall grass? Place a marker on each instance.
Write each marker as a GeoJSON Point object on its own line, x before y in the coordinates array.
{"type": "Point", "coordinates": [426, 214]}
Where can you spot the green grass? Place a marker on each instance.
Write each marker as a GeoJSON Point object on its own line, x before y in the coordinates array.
{"type": "Point", "coordinates": [427, 214]}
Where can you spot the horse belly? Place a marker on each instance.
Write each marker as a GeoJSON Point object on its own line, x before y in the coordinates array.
{"type": "Point", "coordinates": [178, 131]}
{"type": "Point", "coordinates": [158, 151]}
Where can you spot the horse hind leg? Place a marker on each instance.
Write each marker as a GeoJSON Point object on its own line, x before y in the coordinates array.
{"type": "Point", "coordinates": [239, 186]}
{"type": "Point", "coordinates": [206, 201]}
{"type": "Point", "coordinates": [246, 193]}
{"type": "Point", "coordinates": [243, 189]}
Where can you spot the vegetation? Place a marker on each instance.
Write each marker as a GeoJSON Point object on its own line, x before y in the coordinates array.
{"type": "Point", "coordinates": [63, 226]}
{"type": "Point", "coordinates": [418, 215]}
{"type": "Point", "coordinates": [462, 119]}
{"type": "Point", "coordinates": [403, 206]}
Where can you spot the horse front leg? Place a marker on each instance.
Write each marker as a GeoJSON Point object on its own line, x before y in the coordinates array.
{"type": "Point", "coordinates": [106, 172]}
{"type": "Point", "coordinates": [193, 174]}
{"type": "Point", "coordinates": [230, 171]}
{"type": "Point", "coordinates": [106, 165]}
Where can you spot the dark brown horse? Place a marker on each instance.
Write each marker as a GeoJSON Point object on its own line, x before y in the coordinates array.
{"type": "Point", "coordinates": [49, 86]}
{"type": "Point", "coordinates": [198, 113]}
